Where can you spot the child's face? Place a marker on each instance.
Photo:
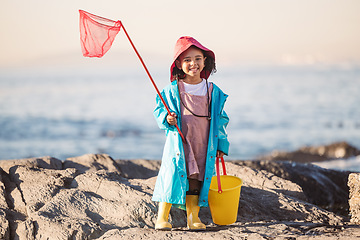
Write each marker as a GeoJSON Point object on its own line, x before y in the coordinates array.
{"type": "Point", "coordinates": [192, 62]}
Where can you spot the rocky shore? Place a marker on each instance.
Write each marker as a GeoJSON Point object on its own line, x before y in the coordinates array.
{"type": "Point", "coordinates": [96, 197]}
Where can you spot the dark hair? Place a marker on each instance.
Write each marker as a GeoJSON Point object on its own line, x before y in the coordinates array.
{"type": "Point", "coordinates": [210, 67]}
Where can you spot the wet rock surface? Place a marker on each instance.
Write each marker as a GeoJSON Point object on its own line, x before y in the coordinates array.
{"type": "Point", "coordinates": [95, 197]}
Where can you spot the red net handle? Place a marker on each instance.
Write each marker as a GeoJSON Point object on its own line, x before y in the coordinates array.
{"type": "Point", "coordinates": [151, 79]}
{"type": "Point", "coordinates": [218, 172]}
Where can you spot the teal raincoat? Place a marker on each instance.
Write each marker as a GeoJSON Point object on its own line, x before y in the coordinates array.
{"type": "Point", "coordinates": [172, 183]}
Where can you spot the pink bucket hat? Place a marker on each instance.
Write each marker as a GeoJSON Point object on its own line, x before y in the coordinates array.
{"type": "Point", "coordinates": [182, 45]}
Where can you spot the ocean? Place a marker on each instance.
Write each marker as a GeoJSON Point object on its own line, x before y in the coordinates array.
{"type": "Point", "coordinates": [73, 112]}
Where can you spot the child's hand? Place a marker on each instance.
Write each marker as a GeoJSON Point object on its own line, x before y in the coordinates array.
{"type": "Point", "coordinates": [171, 118]}
{"type": "Point", "coordinates": [220, 154]}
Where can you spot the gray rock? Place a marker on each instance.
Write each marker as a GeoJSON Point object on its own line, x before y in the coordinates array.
{"type": "Point", "coordinates": [92, 162]}
{"type": "Point", "coordinates": [38, 186]}
{"type": "Point", "coordinates": [323, 187]}
{"type": "Point", "coordinates": [89, 198]}
{"type": "Point", "coordinates": [4, 223]}
{"type": "Point", "coordinates": [139, 168]}
{"type": "Point", "coordinates": [23, 229]}
{"type": "Point", "coordinates": [68, 215]}
{"type": "Point", "coordinates": [315, 153]}
{"type": "Point", "coordinates": [354, 199]}
{"type": "Point", "coordinates": [43, 162]}
{"type": "Point", "coordinates": [95, 203]}
{"type": "Point", "coordinates": [266, 197]}
{"type": "Point", "coordinates": [3, 194]}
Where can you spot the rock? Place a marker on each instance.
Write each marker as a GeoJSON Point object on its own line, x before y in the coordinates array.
{"type": "Point", "coordinates": [89, 198]}
{"type": "Point", "coordinates": [354, 199]}
{"type": "Point", "coordinates": [3, 194]}
{"type": "Point", "coordinates": [323, 187]}
{"type": "Point", "coordinates": [38, 186]}
{"type": "Point", "coordinates": [69, 215]}
{"type": "Point", "coordinates": [23, 230]}
{"type": "Point", "coordinates": [315, 153]}
{"type": "Point", "coordinates": [95, 203]}
{"type": "Point", "coordinates": [139, 168]}
{"type": "Point", "coordinates": [243, 231]}
{"type": "Point", "coordinates": [266, 197]}
{"type": "Point", "coordinates": [4, 223]}
{"type": "Point", "coordinates": [333, 151]}
{"type": "Point", "coordinates": [44, 162]}
{"type": "Point", "coordinates": [92, 162]}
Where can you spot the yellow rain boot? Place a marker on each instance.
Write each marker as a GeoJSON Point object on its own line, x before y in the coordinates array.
{"type": "Point", "coordinates": [163, 216]}
{"type": "Point", "coordinates": [192, 211]}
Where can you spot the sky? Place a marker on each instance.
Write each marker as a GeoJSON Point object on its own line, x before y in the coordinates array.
{"type": "Point", "coordinates": [238, 31]}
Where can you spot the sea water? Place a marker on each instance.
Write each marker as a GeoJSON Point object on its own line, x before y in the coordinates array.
{"type": "Point", "coordinates": [73, 112]}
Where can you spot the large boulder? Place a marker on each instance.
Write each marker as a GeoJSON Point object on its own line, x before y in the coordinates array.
{"type": "Point", "coordinates": [267, 197]}
{"type": "Point", "coordinates": [16, 210]}
{"type": "Point", "coordinates": [323, 187]}
{"type": "Point", "coordinates": [89, 198]}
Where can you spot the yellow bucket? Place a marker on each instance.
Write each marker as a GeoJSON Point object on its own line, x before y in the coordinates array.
{"type": "Point", "coordinates": [224, 206]}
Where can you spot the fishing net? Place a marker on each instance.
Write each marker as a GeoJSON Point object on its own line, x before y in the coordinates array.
{"type": "Point", "coordinates": [96, 34]}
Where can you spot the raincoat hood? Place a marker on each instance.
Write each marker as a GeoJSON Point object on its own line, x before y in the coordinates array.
{"type": "Point", "coordinates": [182, 45]}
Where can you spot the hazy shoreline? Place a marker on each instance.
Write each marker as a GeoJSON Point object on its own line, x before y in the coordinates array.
{"type": "Point", "coordinates": [71, 113]}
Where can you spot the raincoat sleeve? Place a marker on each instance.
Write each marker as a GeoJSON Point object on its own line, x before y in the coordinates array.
{"type": "Point", "coordinates": [223, 143]}
{"type": "Point", "coordinates": [160, 112]}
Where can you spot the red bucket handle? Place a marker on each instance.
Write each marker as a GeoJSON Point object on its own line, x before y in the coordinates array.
{"type": "Point", "coordinates": [218, 172]}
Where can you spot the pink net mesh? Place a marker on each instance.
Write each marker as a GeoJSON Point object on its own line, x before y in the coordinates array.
{"type": "Point", "coordinates": [96, 34]}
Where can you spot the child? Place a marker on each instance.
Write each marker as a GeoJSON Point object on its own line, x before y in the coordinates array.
{"type": "Point", "coordinates": [197, 107]}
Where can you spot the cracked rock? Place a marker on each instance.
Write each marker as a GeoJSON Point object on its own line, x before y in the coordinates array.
{"type": "Point", "coordinates": [89, 197]}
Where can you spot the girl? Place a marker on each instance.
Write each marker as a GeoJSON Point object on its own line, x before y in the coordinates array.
{"type": "Point", "coordinates": [197, 107]}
